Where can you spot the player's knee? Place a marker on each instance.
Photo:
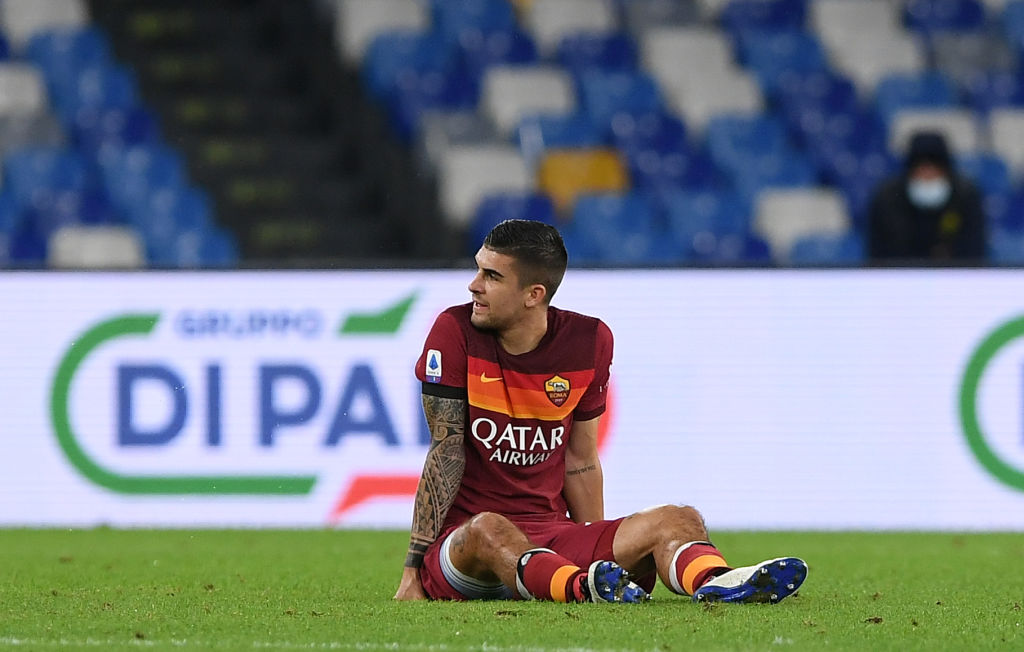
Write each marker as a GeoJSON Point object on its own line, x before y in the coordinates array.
{"type": "Point", "coordinates": [677, 515]}
{"type": "Point", "coordinates": [488, 528]}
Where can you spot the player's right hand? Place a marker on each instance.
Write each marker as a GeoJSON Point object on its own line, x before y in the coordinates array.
{"type": "Point", "coordinates": [410, 588]}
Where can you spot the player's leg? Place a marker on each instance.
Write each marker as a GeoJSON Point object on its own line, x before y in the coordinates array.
{"type": "Point", "coordinates": [674, 541]}
{"type": "Point", "coordinates": [489, 551]}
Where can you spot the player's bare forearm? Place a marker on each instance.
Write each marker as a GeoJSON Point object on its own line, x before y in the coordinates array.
{"type": "Point", "coordinates": [584, 481]}
{"type": "Point", "coordinates": [442, 473]}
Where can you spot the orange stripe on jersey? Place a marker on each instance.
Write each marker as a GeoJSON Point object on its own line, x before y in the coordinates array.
{"type": "Point", "coordinates": [520, 395]}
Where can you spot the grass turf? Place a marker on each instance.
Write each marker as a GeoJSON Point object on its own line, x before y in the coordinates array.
{"type": "Point", "coordinates": [108, 589]}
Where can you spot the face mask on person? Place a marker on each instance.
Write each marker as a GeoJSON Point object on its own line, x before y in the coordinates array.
{"type": "Point", "coordinates": [929, 193]}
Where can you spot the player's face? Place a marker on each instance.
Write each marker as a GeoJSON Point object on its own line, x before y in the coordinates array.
{"type": "Point", "coordinates": [498, 299]}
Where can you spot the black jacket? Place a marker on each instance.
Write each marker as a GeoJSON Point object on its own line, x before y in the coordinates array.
{"type": "Point", "coordinates": [898, 231]}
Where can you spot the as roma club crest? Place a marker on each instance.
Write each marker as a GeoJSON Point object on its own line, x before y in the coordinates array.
{"type": "Point", "coordinates": [557, 389]}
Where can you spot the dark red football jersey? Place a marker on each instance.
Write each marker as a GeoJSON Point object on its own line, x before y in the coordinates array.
{"type": "Point", "coordinates": [521, 408]}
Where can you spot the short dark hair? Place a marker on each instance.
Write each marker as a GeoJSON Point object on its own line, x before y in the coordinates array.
{"type": "Point", "coordinates": [537, 249]}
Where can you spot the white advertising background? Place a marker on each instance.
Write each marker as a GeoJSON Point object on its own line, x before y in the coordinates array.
{"type": "Point", "coordinates": [768, 399]}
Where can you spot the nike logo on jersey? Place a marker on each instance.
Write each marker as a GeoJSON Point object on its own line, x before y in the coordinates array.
{"type": "Point", "coordinates": [484, 378]}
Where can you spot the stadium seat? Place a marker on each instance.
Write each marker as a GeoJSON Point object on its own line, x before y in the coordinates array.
{"type": "Point", "coordinates": [733, 139]}
{"type": "Point", "coordinates": [568, 173]}
{"type": "Point", "coordinates": [943, 15]}
{"type": "Point", "coordinates": [71, 208]}
{"type": "Point", "coordinates": [5, 48]}
{"type": "Point", "coordinates": [94, 89]}
{"type": "Point", "coordinates": [643, 15]}
{"type": "Point", "coordinates": [660, 170]}
{"type": "Point", "coordinates": [207, 248]}
{"type": "Point", "coordinates": [511, 93]}
{"type": "Point", "coordinates": [728, 92]}
{"type": "Point", "coordinates": [170, 211]}
{"type": "Point", "coordinates": [95, 247]}
{"type": "Point", "coordinates": [461, 19]}
{"type": "Point", "coordinates": [549, 21]}
{"type": "Point", "coordinates": [776, 56]}
{"type": "Point", "coordinates": [1006, 248]}
{"type": "Point", "coordinates": [441, 130]}
{"type": "Point", "coordinates": [634, 131]}
{"type": "Point", "coordinates": [27, 129]}
{"type": "Point", "coordinates": [828, 250]}
{"type": "Point", "coordinates": [782, 217]}
{"type": "Point", "coordinates": [495, 209]}
{"type": "Point", "coordinates": [989, 172]}
{"type": "Point", "coordinates": [468, 173]}
{"type": "Point", "coordinates": [902, 91]}
{"type": "Point", "coordinates": [681, 57]}
{"type": "Point", "coordinates": [582, 52]}
{"type": "Point", "coordinates": [131, 175]}
{"type": "Point", "coordinates": [763, 15]}
{"type": "Point", "coordinates": [840, 21]}
{"type": "Point", "coordinates": [35, 175]}
{"type": "Point", "coordinates": [873, 56]}
{"type": "Point", "coordinates": [958, 125]}
{"type": "Point", "coordinates": [418, 92]}
{"type": "Point", "coordinates": [481, 50]}
{"type": "Point", "coordinates": [115, 127]}
{"type": "Point", "coordinates": [357, 22]}
{"type": "Point", "coordinates": [620, 229]}
{"type": "Point", "coordinates": [605, 95]}
{"type": "Point", "coordinates": [538, 133]}
{"type": "Point", "coordinates": [61, 53]}
{"type": "Point", "coordinates": [1012, 20]}
{"type": "Point", "coordinates": [22, 89]}
{"type": "Point", "coordinates": [22, 19]}
{"type": "Point", "coordinates": [392, 55]}
{"type": "Point", "coordinates": [1006, 135]}
{"type": "Point", "coordinates": [994, 88]}
{"type": "Point", "coordinates": [964, 57]}
{"type": "Point", "coordinates": [703, 222]}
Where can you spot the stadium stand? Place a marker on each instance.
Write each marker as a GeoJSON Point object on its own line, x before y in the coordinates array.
{"type": "Point", "coordinates": [709, 132]}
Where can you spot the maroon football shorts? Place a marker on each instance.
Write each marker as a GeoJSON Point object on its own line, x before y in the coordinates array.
{"type": "Point", "coordinates": [582, 544]}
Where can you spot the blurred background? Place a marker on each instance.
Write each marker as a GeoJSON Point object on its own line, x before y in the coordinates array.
{"type": "Point", "coordinates": [326, 133]}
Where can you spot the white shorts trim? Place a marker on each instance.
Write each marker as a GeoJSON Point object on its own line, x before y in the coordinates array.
{"type": "Point", "coordinates": [470, 587]}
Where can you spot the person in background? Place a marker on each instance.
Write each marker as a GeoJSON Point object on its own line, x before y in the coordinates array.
{"type": "Point", "coordinates": [928, 213]}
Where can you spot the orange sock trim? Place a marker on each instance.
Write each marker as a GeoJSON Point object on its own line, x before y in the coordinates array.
{"type": "Point", "coordinates": [559, 581]}
{"type": "Point", "coordinates": [696, 567]}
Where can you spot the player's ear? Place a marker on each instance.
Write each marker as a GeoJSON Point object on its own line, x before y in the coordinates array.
{"type": "Point", "coordinates": [535, 295]}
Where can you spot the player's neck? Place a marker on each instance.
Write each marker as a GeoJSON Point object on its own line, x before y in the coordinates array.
{"type": "Point", "coordinates": [525, 335]}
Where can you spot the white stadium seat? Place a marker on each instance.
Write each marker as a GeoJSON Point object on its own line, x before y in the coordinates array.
{"type": "Point", "coordinates": [840, 21]}
{"type": "Point", "coordinates": [680, 56]}
{"type": "Point", "coordinates": [868, 59]}
{"type": "Point", "coordinates": [511, 92]}
{"type": "Point", "coordinates": [730, 91]}
{"type": "Point", "coordinates": [21, 90]}
{"type": "Point", "coordinates": [441, 130]}
{"type": "Point", "coordinates": [95, 247]}
{"type": "Point", "coordinates": [782, 217]}
{"type": "Point", "coordinates": [357, 22]}
{"type": "Point", "coordinates": [1006, 127]}
{"type": "Point", "coordinates": [470, 172]}
{"type": "Point", "coordinates": [21, 19]}
{"type": "Point", "coordinates": [548, 21]}
{"type": "Point", "coordinates": [957, 125]}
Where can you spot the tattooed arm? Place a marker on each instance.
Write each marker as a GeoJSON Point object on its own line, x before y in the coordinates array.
{"type": "Point", "coordinates": [584, 480]}
{"type": "Point", "coordinates": [442, 475]}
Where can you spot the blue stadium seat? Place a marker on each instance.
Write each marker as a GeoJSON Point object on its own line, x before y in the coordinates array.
{"type": "Point", "coordinates": [537, 133]}
{"type": "Point", "coordinates": [495, 209]}
{"type": "Point", "coordinates": [419, 91]}
{"type": "Point", "coordinates": [1013, 23]}
{"type": "Point", "coordinates": [898, 91]}
{"type": "Point", "coordinates": [27, 247]}
{"type": "Point", "coordinates": [610, 52]}
{"type": "Point", "coordinates": [700, 221]}
{"type": "Point", "coordinates": [1006, 211]}
{"type": "Point", "coordinates": [662, 170]}
{"type": "Point", "coordinates": [115, 127]}
{"type": "Point", "coordinates": [775, 57]}
{"type": "Point", "coordinates": [1006, 248]}
{"type": "Point", "coordinates": [73, 207]}
{"type": "Point", "coordinates": [455, 20]}
{"type": "Point", "coordinates": [845, 250]}
{"type": "Point", "coordinates": [35, 175]}
{"type": "Point", "coordinates": [604, 95]}
{"type": "Point", "coordinates": [741, 15]}
{"type": "Point", "coordinates": [480, 50]}
{"type": "Point", "coordinates": [5, 49]}
{"type": "Point", "coordinates": [196, 248]}
{"type": "Point", "coordinates": [789, 169]}
{"type": "Point", "coordinates": [392, 55]}
{"type": "Point", "coordinates": [95, 89]}
{"type": "Point", "coordinates": [62, 53]}
{"type": "Point", "coordinates": [621, 230]}
{"type": "Point", "coordinates": [131, 175]}
{"type": "Point", "coordinates": [944, 15]}
{"type": "Point", "coordinates": [169, 212]}
{"type": "Point", "coordinates": [734, 140]}
{"type": "Point", "coordinates": [649, 130]}
{"type": "Point", "coordinates": [995, 88]}
{"type": "Point", "coordinates": [989, 172]}
{"type": "Point", "coordinates": [10, 213]}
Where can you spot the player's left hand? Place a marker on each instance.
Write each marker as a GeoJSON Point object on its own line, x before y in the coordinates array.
{"type": "Point", "coordinates": [410, 588]}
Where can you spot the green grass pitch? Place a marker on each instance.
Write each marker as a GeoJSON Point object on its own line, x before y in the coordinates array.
{"type": "Point", "coordinates": [331, 590]}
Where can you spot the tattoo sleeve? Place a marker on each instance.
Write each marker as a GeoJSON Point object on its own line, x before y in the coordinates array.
{"type": "Point", "coordinates": [442, 472]}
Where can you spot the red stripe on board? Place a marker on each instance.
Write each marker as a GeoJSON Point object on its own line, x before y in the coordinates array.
{"type": "Point", "coordinates": [365, 488]}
